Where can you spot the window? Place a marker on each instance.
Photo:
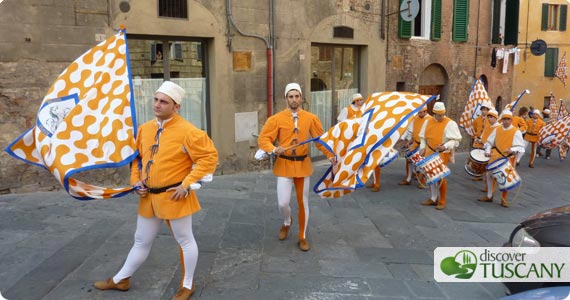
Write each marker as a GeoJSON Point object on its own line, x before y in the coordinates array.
{"type": "Point", "coordinates": [427, 24]}
{"type": "Point", "coordinates": [157, 51]}
{"type": "Point", "coordinates": [554, 17]}
{"type": "Point", "coordinates": [173, 8]}
{"type": "Point", "coordinates": [550, 62]}
{"type": "Point", "coordinates": [505, 29]}
{"type": "Point", "coordinates": [460, 20]}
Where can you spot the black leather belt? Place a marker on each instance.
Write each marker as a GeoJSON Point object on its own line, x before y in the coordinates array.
{"type": "Point", "coordinates": [293, 158]}
{"type": "Point", "coordinates": [161, 189]}
{"type": "Point", "coordinates": [531, 133]}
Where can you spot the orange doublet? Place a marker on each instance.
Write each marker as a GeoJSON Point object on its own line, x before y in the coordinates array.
{"type": "Point", "coordinates": [185, 154]}
{"type": "Point", "coordinates": [281, 128]}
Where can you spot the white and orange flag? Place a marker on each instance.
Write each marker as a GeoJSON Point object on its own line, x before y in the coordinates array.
{"type": "Point", "coordinates": [564, 146]}
{"type": "Point", "coordinates": [360, 144]}
{"type": "Point", "coordinates": [86, 121]}
{"type": "Point", "coordinates": [555, 133]}
{"type": "Point", "coordinates": [477, 96]}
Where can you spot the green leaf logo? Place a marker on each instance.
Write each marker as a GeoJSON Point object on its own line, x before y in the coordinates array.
{"type": "Point", "coordinates": [462, 265]}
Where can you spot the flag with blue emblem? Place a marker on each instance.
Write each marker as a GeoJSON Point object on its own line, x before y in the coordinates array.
{"type": "Point", "coordinates": [86, 121]}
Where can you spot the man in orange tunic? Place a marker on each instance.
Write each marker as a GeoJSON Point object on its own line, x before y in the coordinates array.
{"type": "Point", "coordinates": [412, 140]}
{"type": "Point", "coordinates": [492, 116]}
{"type": "Point", "coordinates": [504, 141]}
{"type": "Point", "coordinates": [174, 156]}
{"type": "Point", "coordinates": [293, 165]}
{"type": "Point", "coordinates": [534, 124]}
{"type": "Point", "coordinates": [440, 134]}
{"type": "Point", "coordinates": [480, 123]}
{"type": "Point", "coordinates": [354, 110]}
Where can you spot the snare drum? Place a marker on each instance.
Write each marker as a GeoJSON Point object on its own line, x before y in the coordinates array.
{"type": "Point", "coordinates": [476, 163]}
{"type": "Point", "coordinates": [433, 168]}
{"type": "Point", "coordinates": [504, 174]}
{"type": "Point", "coordinates": [414, 156]}
{"type": "Point", "coordinates": [390, 157]}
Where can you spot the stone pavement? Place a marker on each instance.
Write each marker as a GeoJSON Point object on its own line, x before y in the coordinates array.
{"type": "Point", "coordinates": [364, 246]}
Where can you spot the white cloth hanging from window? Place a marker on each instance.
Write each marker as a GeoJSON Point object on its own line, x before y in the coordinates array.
{"type": "Point", "coordinates": [517, 57]}
{"type": "Point", "coordinates": [506, 62]}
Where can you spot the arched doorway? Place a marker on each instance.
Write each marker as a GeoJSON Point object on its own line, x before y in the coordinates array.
{"type": "Point", "coordinates": [499, 104]}
{"type": "Point", "coordinates": [433, 81]}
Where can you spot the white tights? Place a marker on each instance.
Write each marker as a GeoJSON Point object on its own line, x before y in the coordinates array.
{"type": "Point", "coordinates": [147, 229]}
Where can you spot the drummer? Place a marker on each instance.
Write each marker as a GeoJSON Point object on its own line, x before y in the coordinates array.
{"type": "Point", "coordinates": [441, 135]}
{"type": "Point", "coordinates": [492, 116]}
{"type": "Point", "coordinates": [479, 125]}
{"type": "Point", "coordinates": [504, 141]}
{"type": "Point", "coordinates": [411, 138]}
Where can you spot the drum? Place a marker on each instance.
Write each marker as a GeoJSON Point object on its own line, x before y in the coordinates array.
{"type": "Point", "coordinates": [504, 174]}
{"type": "Point", "coordinates": [433, 168]}
{"type": "Point", "coordinates": [413, 155]}
{"type": "Point", "coordinates": [476, 163]}
{"type": "Point", "coordinates": [390, 157]}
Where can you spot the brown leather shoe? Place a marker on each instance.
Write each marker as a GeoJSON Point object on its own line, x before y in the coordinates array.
{"type": "Point", "coordinates": [184, 293]}
{"type": "Point", "coordinates": [531, 166]}
{"type": "Point", "coordinates": [486, 199]}
{"type": "Point", "coordinates": [375, 189]}
{"type": "Point", "coordinates": [108, 284]}
{"type": "Point", "coordinates": [422, 186]}
{"type": "Point", "coordinates": [284, 231]}
{"type": "Point", "coordinates": [440, 207]}
{"type": "Point", "coordinates": [429, 202]}
{"type": "Point", "coordinates": [504, 204]}
{"type": "Point", "coordinates": [404, 182]}
{"type": "Point", "coordinates": [304, 245]}
{"type": "Point", "coordinates": [476, 179]}
{"type": "Point", "coordinates": [370, 185]}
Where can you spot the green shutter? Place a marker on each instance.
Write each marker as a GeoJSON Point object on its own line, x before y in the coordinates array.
{"type": "Point", "coordinates": [460, 20]}
{"type": "Point", "coordinates": [563, 17]}
{"type": "Point", "coordinates": [436, 20]}
{"type": "Point", "coordinates": [404, 27]}
{"type": "Point", "coordinates": [544, 24]}
{"type": "Point", "coordinates": [550, 62]}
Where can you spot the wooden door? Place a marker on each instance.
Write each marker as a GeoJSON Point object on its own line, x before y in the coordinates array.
{"type": "Point", "coordinates": [430, 90]}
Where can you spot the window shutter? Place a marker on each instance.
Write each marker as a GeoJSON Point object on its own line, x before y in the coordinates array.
{"type": "Point", "coordinates": [544, 24]}
{"type": "Point", "coordinates": [550, 62]}
{"type": "Point", "coordinates": [436, 20]}
{"type": "Point", "coordinates": [153, 52]}
{"type": "Point", "coordinates": [460, 20]}
{"type": "Point", "coordinates": [404, 27]}
{"type": "Point", "coordinates": [563, 17]}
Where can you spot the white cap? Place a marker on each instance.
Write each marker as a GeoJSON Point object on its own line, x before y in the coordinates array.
{"type": "Point", "coordinates": [356, 96]}
{"type": "Point", "coordinates": [493, 112]}
{"type": "Point", "coordinates": [292, 86]}
{"type": "Point", "coordinates": [439, 108]}
{"type": "Point", "coordinates": [537, 112]}
{"type": "Point", "coordinates": [172, 90]}
{"type": "Point", "coordinates": [546, 111]}
{"type": "Point", "coordinates": [486, 104]}
{"type": "Point", "coordinates": [507, 114]}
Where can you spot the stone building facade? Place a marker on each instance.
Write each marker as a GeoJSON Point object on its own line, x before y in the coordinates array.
{"type": "Point", "coordinates": [443, 49]}
{"type": "Point", "coordinates": [235, 58]}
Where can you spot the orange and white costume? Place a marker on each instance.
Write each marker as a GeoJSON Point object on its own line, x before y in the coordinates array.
{"type": "Point", "coordinates": [440, 133]}
{"type": "Point", "coordinates": [500, 140]}
{"type": "Point", "coordinates": [172, 152]}
{"type": "Point", "coordinates": [533, 127]}
{"type": "Point", "coordinates": [413, 133]}
{"type": "Point", "coordinates": [294, 166]}
{"type": "Point", "coordinates": [520, 123]}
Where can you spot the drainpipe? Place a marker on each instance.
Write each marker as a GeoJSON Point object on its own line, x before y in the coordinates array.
{"type": "Point", "coordinates": [477, 40]}
{"type": "Point", "coordinates": [269, 57]}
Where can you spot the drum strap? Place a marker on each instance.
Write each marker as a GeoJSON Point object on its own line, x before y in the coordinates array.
{"type": "Point", "coordinates": [432, 149]}
{"type": "Point", "coordinates": [501, 152]}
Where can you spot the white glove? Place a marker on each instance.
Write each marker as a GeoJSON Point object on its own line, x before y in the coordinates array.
{"type": "Point", "coordinates": [261, 155]}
